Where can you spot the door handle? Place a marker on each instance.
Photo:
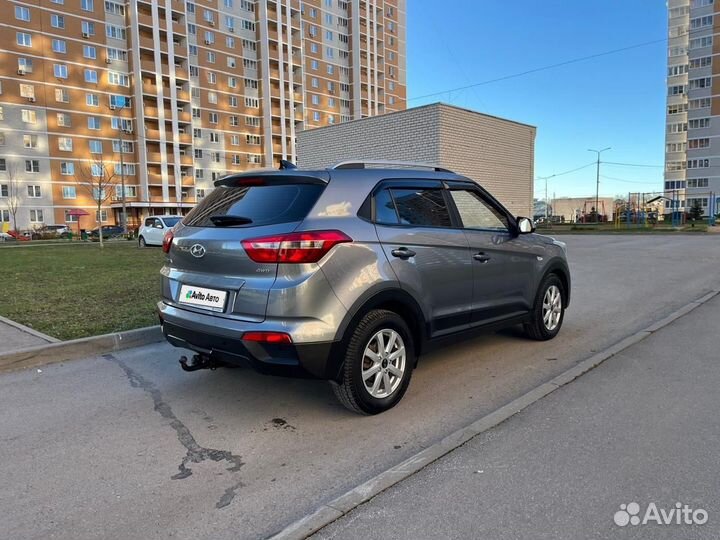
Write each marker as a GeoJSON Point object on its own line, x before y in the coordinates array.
{"type": "Point", "coordinates": [482, 257]}
{"type": "Point", "coordinates": [403, 253]}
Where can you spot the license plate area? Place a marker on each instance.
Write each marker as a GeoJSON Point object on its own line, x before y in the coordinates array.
{"type": "Point", "coordinates": [202, 297]}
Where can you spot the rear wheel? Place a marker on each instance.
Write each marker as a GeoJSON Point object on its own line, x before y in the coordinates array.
{"type": "Point", "coordinates": [378, 364]}
{"type": "Point", "coordinates": [548, 311]}
{"type": "Point", "coordinates": [141, 242]}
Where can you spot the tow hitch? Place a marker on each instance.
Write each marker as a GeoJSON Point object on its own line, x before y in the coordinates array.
{"type": "Point", "coordinates": [199, 361]}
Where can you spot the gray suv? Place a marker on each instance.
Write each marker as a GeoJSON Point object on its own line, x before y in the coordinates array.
{"type": "Point", "coordinates": [348, 273]}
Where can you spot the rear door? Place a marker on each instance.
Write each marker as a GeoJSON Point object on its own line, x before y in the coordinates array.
{"type": "Point", "coordinates": [502, 262]}
{"type": "Point", "coordinates": [207, 250]}
{"type": "Point", "coordinates": [429, 256]}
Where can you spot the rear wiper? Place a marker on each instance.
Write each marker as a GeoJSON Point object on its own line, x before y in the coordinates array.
{"type": "Point", "coordinates": [229, 221]}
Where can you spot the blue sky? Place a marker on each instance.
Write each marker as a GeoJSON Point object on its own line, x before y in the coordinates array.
{"type": "Point", "coordinates": [616, 100]}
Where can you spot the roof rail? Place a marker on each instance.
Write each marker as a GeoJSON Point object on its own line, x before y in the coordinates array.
{"type": "Point", "coordinates": [355, 164]}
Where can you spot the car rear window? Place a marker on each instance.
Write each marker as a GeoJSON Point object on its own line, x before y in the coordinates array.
{"type": "Point", "coordinates": [263, 205]}
{"type": "Point", "coordinates": [171, 221]}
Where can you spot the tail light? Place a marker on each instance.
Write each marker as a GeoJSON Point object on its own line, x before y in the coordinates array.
{"type": "Point", "coordinates": [167, 241]}
{"type": "Point", "coordinates": [268, 337]}
{"type": "Point", "coordinates": [300, 247]}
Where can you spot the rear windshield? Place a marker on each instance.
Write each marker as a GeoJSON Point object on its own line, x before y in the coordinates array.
{"type": "Point", "coordinates": [263, 205]}
{"type": "Point", "coordinates": [171, 221]}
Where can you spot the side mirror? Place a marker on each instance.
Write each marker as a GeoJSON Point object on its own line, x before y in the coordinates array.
{"type": "Point", "coordinates": [525, 225]}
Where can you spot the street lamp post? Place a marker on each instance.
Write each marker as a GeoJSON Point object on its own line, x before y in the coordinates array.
{"type": "Point", "coordinates": [122, 171]}
{"type": "Point", "coordinates": [597, 182]}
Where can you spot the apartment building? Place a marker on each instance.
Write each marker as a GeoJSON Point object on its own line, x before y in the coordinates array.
{"type": "Point", "coordinates": [692, 141]}
{"type": "Point", "coordinates": [164, 97]}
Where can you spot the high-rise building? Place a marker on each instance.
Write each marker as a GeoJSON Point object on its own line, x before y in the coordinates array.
{"type": "Point", "coordinates": [692, 142]}
{"type": "Point", "coordinates": [166, 96]}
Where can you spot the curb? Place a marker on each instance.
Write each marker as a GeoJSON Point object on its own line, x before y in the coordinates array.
{"type": "Point", "coordinates": [28, 330]}
{"type": "Point", "coordinates": [78, 348]}
{"type": "Point", "coordinates": [338, 507]}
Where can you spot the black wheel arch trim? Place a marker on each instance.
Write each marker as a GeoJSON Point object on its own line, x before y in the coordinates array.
{"type": "Point", "coordinates": [559, 266]}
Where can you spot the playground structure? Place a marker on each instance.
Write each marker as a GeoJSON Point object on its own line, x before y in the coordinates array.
{"type": "Point", "coordinates": [646, 209]}
{"type": "Point", "coordinates": [589, 214]}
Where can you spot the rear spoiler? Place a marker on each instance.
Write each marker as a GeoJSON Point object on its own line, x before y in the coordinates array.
{"type": "Point", "coordinates": [274, 177]}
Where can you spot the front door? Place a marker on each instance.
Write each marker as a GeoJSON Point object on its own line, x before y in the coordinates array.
{"type": "Point", "coordinates": [502, 261]}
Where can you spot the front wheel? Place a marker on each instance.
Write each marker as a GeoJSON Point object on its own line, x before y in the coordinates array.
{"type": "Point", "coordinates": [141, 242]}
{"type": "Point", "coordinates": [548, 311]}
{"type": "Point", "coordinates": [378, 364]}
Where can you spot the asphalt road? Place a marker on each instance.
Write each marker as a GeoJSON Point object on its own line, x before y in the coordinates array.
{"type": "Point", "coordinates": [129, 446]}
{"type": "Point", "coordinates": [640, 428]}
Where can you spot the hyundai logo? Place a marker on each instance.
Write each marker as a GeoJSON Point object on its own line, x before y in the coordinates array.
{"type": "Point", "coordinates": [197, 250]}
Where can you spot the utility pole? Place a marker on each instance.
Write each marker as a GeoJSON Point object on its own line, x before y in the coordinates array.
{"type": "Point", "coordinates": [121, 125]}
{"type": "Point", "coordinates": [597, 183]}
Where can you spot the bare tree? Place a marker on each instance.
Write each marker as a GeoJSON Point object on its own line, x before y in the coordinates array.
{"type": "Point", "coordinates": [98, 180]}
{"type": "Point", "coordinates": [13, 197]}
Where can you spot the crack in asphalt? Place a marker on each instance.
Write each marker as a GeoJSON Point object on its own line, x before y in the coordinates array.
{"type": "Point", "coordinates": [195, 453]}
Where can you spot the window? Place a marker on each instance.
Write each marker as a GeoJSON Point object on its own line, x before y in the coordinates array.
{"type": "Point", "coordinates": [71, 218]}
{"type": "Point", "coordinates": [705, 61]}
{"type": "Point", "coordinates": [118, 79]}
{"type": "Point", "coordinates": [65, 144]}
{"type": "Point", "coordinates": [59, 46]}
{"type": "Point", "coordinates": [22, 13]}
{"type": "Point", "coordinates": [96, 170]}
{"type": "Point", "coordinates": [115, 32]}
{"type": "Point", "coordinates": [211, 57]}
{"type": "Point", "coordinates": [91, 76]}
{"type": "Point", "coordinates": [130, 192]}
{"type": "Point", "coordinates": [197, 133]}
{"type": "Point", "coordinates": [88, 28]}
{"type": "Point", "coordinates": [116, 54]}
{"type": "Point", "coordinates": [316, 116]}
{"type": "Point", "coordinates": [4, 214]}
{"type": "Point", "coordinates": [28, 116]}
{"type": "Point", "coordinates": [234, 122]}
{"type": "Point", "coordinates": [27, 91]}
{"type": "Point", "coordinates": [4, 190]}
{"type": "Point", "coordinates": [32, 166]}
{"type": "Point", "coordinates": [33, 192]}
{"type": "Point", "coordinates": [315, 99]}
{"type": "Point", "coordinates": [57, 21]}
{"type": "Point", "coordinates": [214, 137]}
{"type": "Point", "coordinates": [314, 65]}
{"type": "Point", "coordinates": [698, 143]}
{"type": "Point", "coordinates": [63, 120]}
{"type": "Point", "coordinates": [95, 146]}
{"type": "Point", "coordinates": [677, 127]}
{"type": "Point", "coordinates": [25, 65]}
{"type": "Point", "coordinates": [699, 43]}
{"type": "Point", "coordinates": [115, 8]}
{"type": "Point", "coordinates": [253, 121]}
{"type": "Point", "coordinates": [235, 140]}
{"type": "Point", "coordinates": [698, 163]}
{"type": "Point", "coordinates": [101, 215]}
{"type": "Point", "coordinates": [424, 207]}
{"type": "Point", "coordinates": [697, 182]}
{"type": "Point", "coordinates": [30, 141]}
{"type": "Point", "coordinates": [677, 108]}
{"type": "Point", "coordinates": [252, 102]}
{"type": "Point", "coordinates": [36, 216]}
{"type": "Point", "coordinates": [92, 100]}
{"type": "Point", "coordinates": [264, 205]}
{"type": "Point", "coordinates": [67, 168]}
{"type": "Point", "coordinates": [128, 147]}
{"type": "Point", "coordinates": [89, 52]}
{"type": "Point", "coordinates": [252, 139]}
{"type": "Point", "coordinates": [701, 22]}
{"type": "Point", "coordinates": [699, 123]}
{"type": "Point", "coordinates": [60, 71]}
{"type": "Point", "coordinates": [209, 38]}
{"type": "Point", "coordinates": [93, 122]}
{"type": "Point", "coordinates": [475, 213]}
{"type": "Point", "coordinates": [212, 77]}
{"type": "Point", "coordinates": [198, 153]}
{"type": "Point", "coordinates": [212, 98]}
{"type": "Point", "coordinates": [24, 40]}
{"type": "Point", "coordinates": [705, 82]}
{"type": "Point", "coordinates": [87, 5]}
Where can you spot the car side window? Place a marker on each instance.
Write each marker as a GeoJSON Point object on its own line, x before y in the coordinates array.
{"type": "Point", "coordinates": [421, 207]}
{"type": "Point", "coordinates": [149, 222]}
{"type": "Point", "coordinates": [476, 213]}
{"type": "Point", "coordinates": [385, 208]}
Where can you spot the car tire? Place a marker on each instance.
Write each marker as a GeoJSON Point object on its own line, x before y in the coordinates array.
{"type": "Point", "coordinates": [141, 242]}
{"type": "Point", "coordinates": [548, 311]}
{"type": "Point", "coordinates": [373, 381]}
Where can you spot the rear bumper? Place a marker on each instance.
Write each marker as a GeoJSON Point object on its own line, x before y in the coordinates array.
{"type": "Point", "coordinates": [307, 360]}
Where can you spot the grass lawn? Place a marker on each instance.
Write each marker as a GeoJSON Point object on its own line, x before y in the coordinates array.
{"type": "Point", "coordinates": [78, 290]}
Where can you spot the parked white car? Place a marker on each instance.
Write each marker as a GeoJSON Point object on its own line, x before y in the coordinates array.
{"type": "Point", "coordinates": [154, 228]}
